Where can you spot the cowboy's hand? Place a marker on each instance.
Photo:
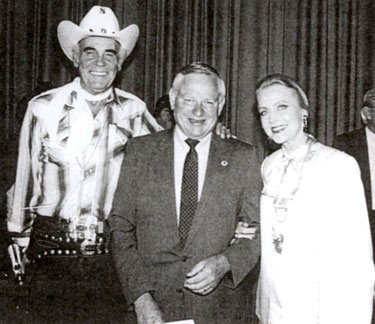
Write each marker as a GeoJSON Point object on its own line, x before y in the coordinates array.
{"type": "Point", "coordinates": [147, 310]}
{"type": "Point", "coordinates": [206, 275]}
{"type": "Point", "coordinates": [17, 253]}
{"type": "Point", "coordinates": [223, 132]}
{"type": "Point", "coordinates": [244, 230]}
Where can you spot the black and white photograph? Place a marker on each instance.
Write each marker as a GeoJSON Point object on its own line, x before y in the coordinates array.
{"type": "Point", "coordinates": [187, 161]}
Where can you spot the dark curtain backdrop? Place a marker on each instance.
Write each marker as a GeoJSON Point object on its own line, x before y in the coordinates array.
{"type": "Point", "coordinates": [326, 45]}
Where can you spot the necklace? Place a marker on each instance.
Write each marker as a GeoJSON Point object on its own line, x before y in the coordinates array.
{"type": "Point", "coordinates": [289, 185]}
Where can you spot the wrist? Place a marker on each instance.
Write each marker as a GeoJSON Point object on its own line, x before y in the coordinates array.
{"type": "Point", "coordinates": [22, 242]}
{"type": "Point", "coordinates": [142, 300]}
{"type": "Point", "coordinates": [224, 263]}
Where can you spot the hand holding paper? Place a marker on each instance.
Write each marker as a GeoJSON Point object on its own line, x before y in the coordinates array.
{"type": "Point", "coordinates": [147, 310]}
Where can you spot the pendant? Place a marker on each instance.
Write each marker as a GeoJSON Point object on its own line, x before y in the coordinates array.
{"type": "Point", "coordinates": [278, 242]}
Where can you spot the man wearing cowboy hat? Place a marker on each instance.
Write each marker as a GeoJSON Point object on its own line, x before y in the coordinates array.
{"type": "Point", "coordinates": [71, 150]}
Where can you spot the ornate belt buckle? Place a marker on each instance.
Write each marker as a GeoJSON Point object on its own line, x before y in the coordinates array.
{"type": "Point", "coordinates": [88, 247]}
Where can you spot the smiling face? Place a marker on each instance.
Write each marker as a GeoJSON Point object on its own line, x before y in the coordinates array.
{"type": "Point", "coordinates": [281, 115]}
{"type": "Point", "coordinates": [97, 62]}
{"type": "Point", "coordinates": [196, 104]}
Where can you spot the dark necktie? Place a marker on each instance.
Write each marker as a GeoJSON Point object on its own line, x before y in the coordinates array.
{"type": "Point", "coordinates": [189, 191]}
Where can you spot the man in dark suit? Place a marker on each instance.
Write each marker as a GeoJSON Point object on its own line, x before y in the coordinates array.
{"type": "Point", "coordinates": [172, 250]}
{"type": "Point", "coordinates": [361, 145]}
{"type": "Point", "coordinates": [358, 143]}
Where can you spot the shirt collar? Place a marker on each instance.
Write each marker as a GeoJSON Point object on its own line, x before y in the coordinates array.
{"type": "Point", "coordinates": [370, 136]}
{"type": "Point", "coordinates": [72, 97]}
{"type": "Point", "coordinates": [302, 153]}
{"type": "Point", "coordinates": [113, 97]}
{"type": "Point", "coordinates": [297, 154]}
{"type": "Point", "coordinates": [180, 137]}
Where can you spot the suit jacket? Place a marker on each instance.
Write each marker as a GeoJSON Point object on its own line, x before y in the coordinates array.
{"type": "Point", "coordinates": [145, 239]}
{"type": "Point", "coordinates": [355, 144]}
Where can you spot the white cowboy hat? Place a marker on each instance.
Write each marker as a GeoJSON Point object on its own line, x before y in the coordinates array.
{"type": "Point", "coordinates": [99, 21]}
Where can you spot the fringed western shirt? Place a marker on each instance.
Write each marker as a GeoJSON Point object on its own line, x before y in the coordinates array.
{"type": "Point", "coordinates": [69, 160]}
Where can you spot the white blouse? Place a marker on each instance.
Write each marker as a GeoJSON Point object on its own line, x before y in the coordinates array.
{"type": "Point", "coordinates": [317, 264]}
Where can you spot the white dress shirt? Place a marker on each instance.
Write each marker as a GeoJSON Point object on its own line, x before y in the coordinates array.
{"type": "Point", "coordinates": [181, 149]}
{"type": "Point", "coordinates": [370, 136]}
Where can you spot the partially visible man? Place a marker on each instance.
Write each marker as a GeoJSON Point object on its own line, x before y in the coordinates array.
{"type": "Point", "coordinates": [360, 144]}
{"type": "Point", "coordinates": [71, 149]}
{"type": "Point", "coordinates": [172, 252]}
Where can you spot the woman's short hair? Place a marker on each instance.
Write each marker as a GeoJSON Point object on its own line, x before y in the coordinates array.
{"type": "Point", "coordinates": [285, 81]}
{"type": "Point", "coordinates": [202, 68]}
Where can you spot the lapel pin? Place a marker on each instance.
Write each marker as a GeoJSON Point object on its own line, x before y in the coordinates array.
{"type": "Point", "coordinates": [224, 163]}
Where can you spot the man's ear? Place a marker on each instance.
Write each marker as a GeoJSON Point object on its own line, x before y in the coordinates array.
{"type": "Point", "coordinates": [121, 56]}
{"type": "Point", "coordinates": [172, 98]}
{"type": "Point", "coordinates": [75, 56]}
{"type": "Point", "coordinates": [75, 59]}
{"type": "Point", "coordinates": [221, 105]}
{"type": "Point", "coordinates": [365, 115]}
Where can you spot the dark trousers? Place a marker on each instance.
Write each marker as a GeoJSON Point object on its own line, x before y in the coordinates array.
{"type": "Point", "coordinates": [75, 290]}
{"type": "Point", "coordinates": [66, 287]}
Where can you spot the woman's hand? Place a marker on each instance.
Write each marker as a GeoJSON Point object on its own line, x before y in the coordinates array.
{"type": "Point", "coordinates": [244, 230]}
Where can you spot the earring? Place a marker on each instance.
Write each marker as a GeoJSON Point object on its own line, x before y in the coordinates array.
{"type": "Point", "coordinates": [305, 129]}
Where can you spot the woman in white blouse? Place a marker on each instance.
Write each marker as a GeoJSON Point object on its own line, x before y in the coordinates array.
{"type": "Point", "coordinates": [316, 264]}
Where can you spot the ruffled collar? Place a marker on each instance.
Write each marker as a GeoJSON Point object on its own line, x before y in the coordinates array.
{"type": "Point", "coordinates": [303, 153]}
